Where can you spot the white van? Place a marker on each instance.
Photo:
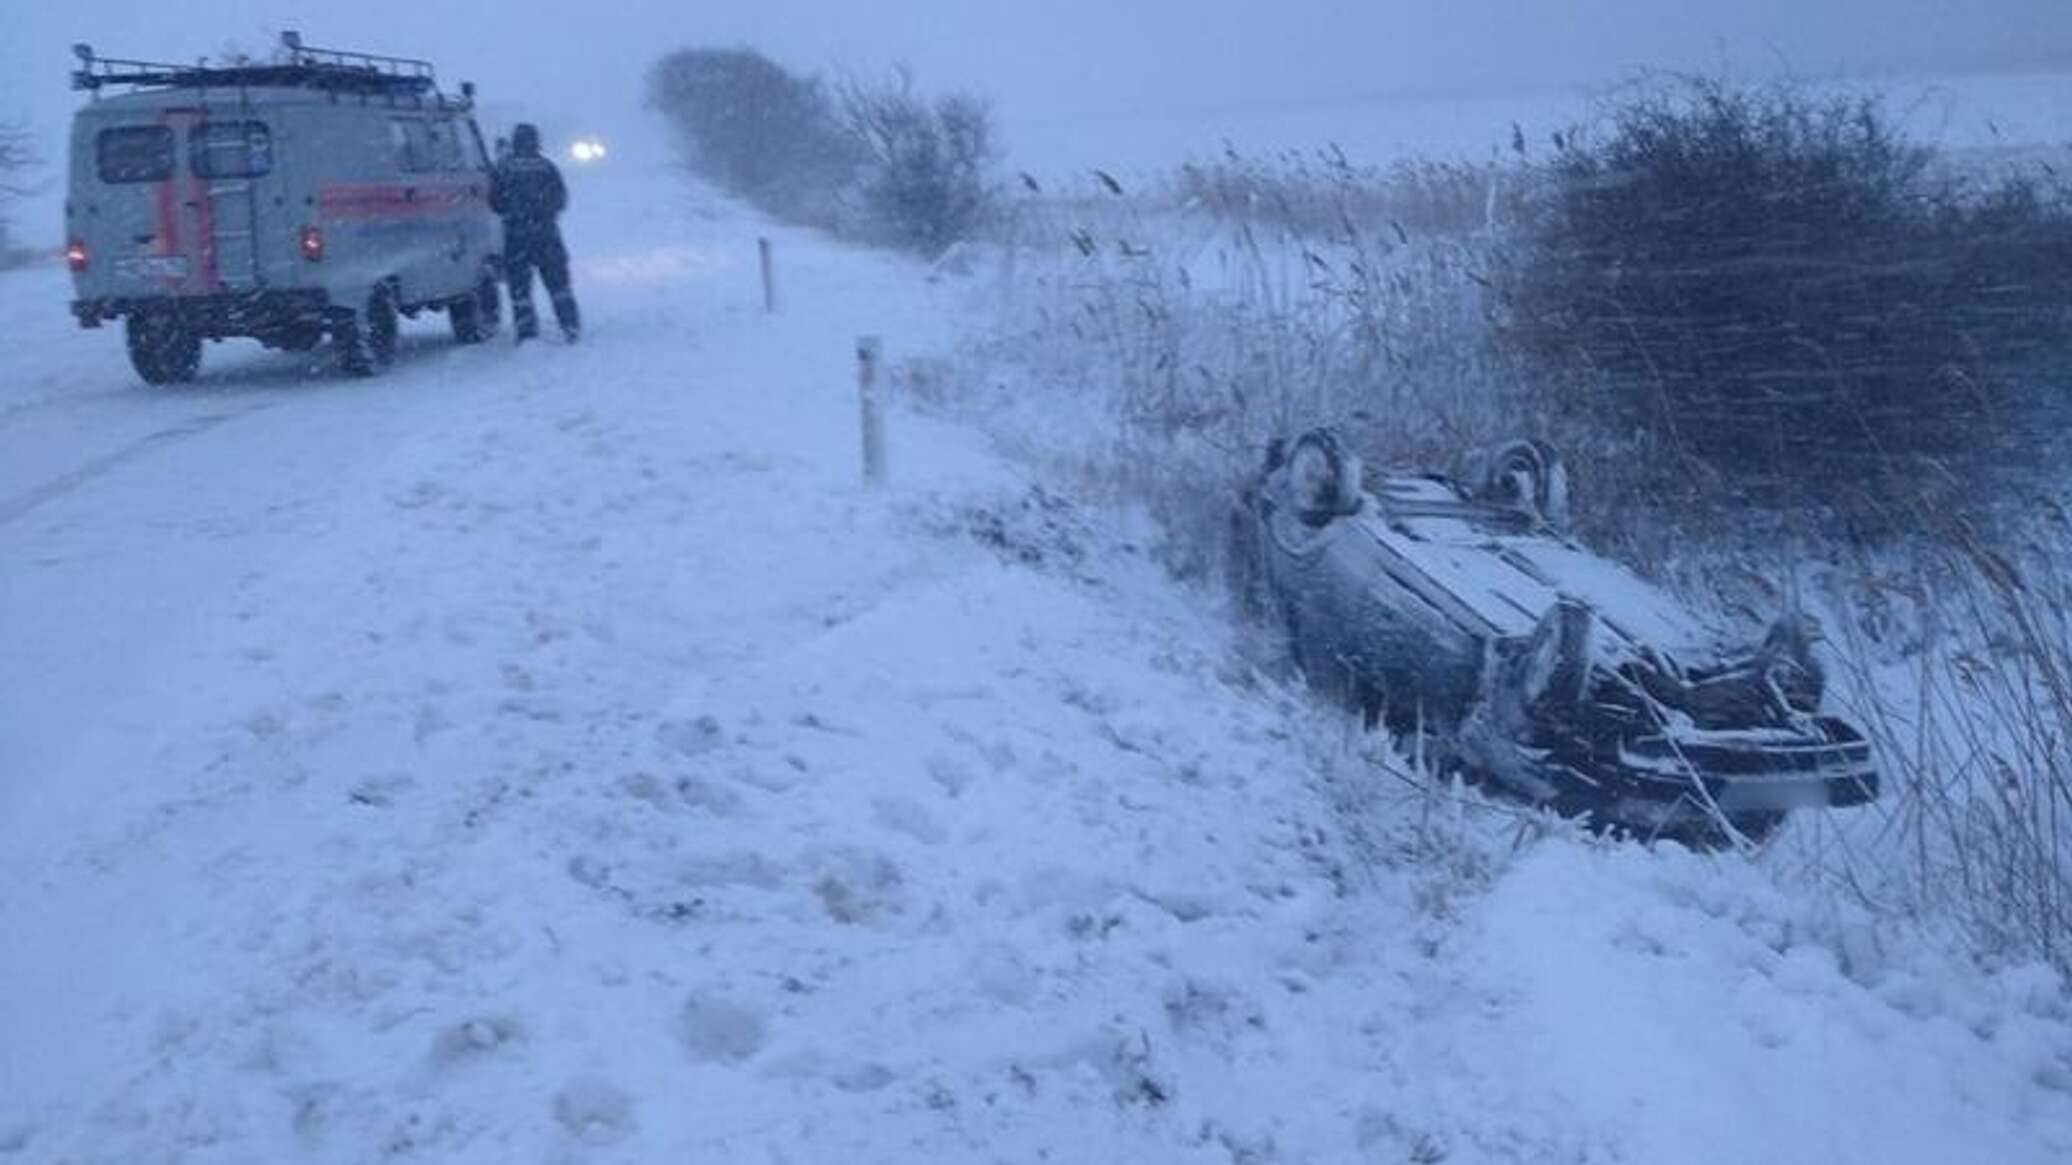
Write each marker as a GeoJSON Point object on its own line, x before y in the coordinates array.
{"type": "Point", "coordinates": [323, 194]}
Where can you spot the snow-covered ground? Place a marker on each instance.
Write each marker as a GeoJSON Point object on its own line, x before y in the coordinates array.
{"type": "Point", "coordinates": [557, 755]}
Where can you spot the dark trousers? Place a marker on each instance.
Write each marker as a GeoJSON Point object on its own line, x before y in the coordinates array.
{"type": "Point", "coordinates": [544, 253]}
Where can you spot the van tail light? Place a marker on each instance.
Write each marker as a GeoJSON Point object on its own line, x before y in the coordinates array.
{"type": "Point", "coordinates": [312, 244]}
{"type": "Point", "coordinates": [75, 255]}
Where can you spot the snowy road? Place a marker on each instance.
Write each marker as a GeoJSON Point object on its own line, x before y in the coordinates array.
{"type": "Point", "coordinates": [219, 597]}
{"type": "Point", "coordinates": [553, 755]}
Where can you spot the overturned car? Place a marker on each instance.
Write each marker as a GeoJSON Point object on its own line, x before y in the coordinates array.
{"type": "Point", "coordinates": [1455, 607]}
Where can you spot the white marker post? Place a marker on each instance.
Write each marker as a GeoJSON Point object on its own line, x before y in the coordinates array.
{"type": "Point", "coordinates": [868, 350]}
{"type": "Point", "coordinates": [762, 246]}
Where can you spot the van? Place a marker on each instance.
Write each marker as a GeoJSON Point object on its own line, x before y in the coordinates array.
{"type": "Point", "coordinates": [324, 194]}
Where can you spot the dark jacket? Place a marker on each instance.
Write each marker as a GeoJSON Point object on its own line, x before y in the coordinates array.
{"type": "Point", "coordinates": [527, 191]}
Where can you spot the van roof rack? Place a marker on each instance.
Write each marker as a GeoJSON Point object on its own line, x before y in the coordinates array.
{"type": "Point", "coordinates": [296, 66]}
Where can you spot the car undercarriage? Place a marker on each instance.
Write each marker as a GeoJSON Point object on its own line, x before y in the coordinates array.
{"type": "Point", "coordinates": [1456, 607]}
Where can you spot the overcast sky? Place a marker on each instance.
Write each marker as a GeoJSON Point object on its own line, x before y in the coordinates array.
{"type": "Point", "coordinates": [1060, 68]}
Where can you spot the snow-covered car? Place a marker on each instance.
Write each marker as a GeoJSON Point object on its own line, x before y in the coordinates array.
{"type": "Point", "coordinates": [1456, 607]}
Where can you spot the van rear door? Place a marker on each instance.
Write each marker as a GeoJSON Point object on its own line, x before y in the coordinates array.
{"type": "Point", "coordinates": [173, 204]}
{"type": "Point", "coordinates": [228, 157]}
{"type": "Point", "coordinates": [135, 209]}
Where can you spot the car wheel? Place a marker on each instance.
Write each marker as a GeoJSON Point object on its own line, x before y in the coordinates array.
{"type": "Point", "coordinates": [1325, 477]}
{"type": "Point", "coordinates": [1528, 476]}
{"type": "Point", "coordinates": [1551, 680]}
{"type": "Point", "coordinates": [161, 349]}
{"type": "Point", "coordinates": [475, 317]}
{"type": "Point", "coordinates": [367, 338]}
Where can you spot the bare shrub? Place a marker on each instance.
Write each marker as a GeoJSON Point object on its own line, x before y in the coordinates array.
{"type": "Point", "coordinates": [17, 157]}
{"type": "Point", "coordinates": [757, 131]}
{"type": "Point", "coordinates": [925, 182]}
{"type": "Point", "coordinates": [1774, 284]}
{"type": "Point", "coordinates": [874, 159]}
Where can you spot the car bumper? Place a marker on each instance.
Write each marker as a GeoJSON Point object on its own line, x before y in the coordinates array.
{"type": "Point", "coordinates": [1658, 781]}
{"type": "Point", "coordinates": [230, 313]}
{"type": "Point", "coordinates": [1832, 769]}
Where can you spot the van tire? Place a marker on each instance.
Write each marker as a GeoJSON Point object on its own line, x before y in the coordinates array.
{"type": "Point", "coordinates": [476, 317]}
{"type": "Point", "coordinates": [367, 338]}
{"type": "Point", "coordinates": [161, 349]}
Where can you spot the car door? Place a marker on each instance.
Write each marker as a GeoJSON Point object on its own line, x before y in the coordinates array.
{"type": "Point", "coordinates": [408, 238]}
{"type": "Point", "coordinates": [455, 191]}
{"type": "Point", "coordinates": [485, 230]}
{"type": "Point", "coordinates": [442, 197]}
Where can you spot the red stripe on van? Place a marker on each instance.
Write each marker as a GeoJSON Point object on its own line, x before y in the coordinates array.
{"type": "Point", "coordinates": [165, 197]}
{"type": "Point", "coordinates": [391, 201]}
{"type": "Point", "coordinates": [166, 228]}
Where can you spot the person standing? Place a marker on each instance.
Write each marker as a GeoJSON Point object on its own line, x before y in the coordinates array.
{"type": "Point", "coordinates": [527, 191]}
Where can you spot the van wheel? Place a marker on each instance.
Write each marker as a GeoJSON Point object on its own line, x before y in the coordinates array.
{"type": "Point", "coordinates": [367, 338]}
{"type": "Point", "coordinates": [161, 349]}
{"type": "Point", "coordinates": [475, 317]}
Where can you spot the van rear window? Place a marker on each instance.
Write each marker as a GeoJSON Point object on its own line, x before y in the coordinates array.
{"type": "Point", "coordinates": [137, 153]}
{"type": "Point", "coordinates": [230, 149]}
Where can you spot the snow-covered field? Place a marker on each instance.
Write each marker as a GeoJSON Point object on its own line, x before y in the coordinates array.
{"type": "Point", "coordinates": [1961, 112]}
{"type": "Point", "coordinates": [557, 755]}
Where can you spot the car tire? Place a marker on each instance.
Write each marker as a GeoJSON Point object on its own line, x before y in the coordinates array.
{"type": "Point", "coordinates": [161, 349]}
{"type": "Point", "coordinates": [367, 338]}
{"type": "Point", "coordinates": [1528, 475]}
{"type": "Point", "coordinates": [475, 317]}
{"type": "Point", "coordinates": [1325, 476]}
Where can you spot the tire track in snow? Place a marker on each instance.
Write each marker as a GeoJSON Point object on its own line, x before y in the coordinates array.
{"type": "Point", "coordinates": [61, 399]}
{"type": "Point", "coordinates": [26, 503]}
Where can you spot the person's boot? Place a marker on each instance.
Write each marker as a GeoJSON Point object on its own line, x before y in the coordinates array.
{"type": "Point", "coordinates": [566, 315]}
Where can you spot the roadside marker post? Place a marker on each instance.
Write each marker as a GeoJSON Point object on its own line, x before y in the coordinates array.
{"type": "Point", "coordinates": [869, 350]}
{"type": "Point", "coordinates": [762, 247]}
